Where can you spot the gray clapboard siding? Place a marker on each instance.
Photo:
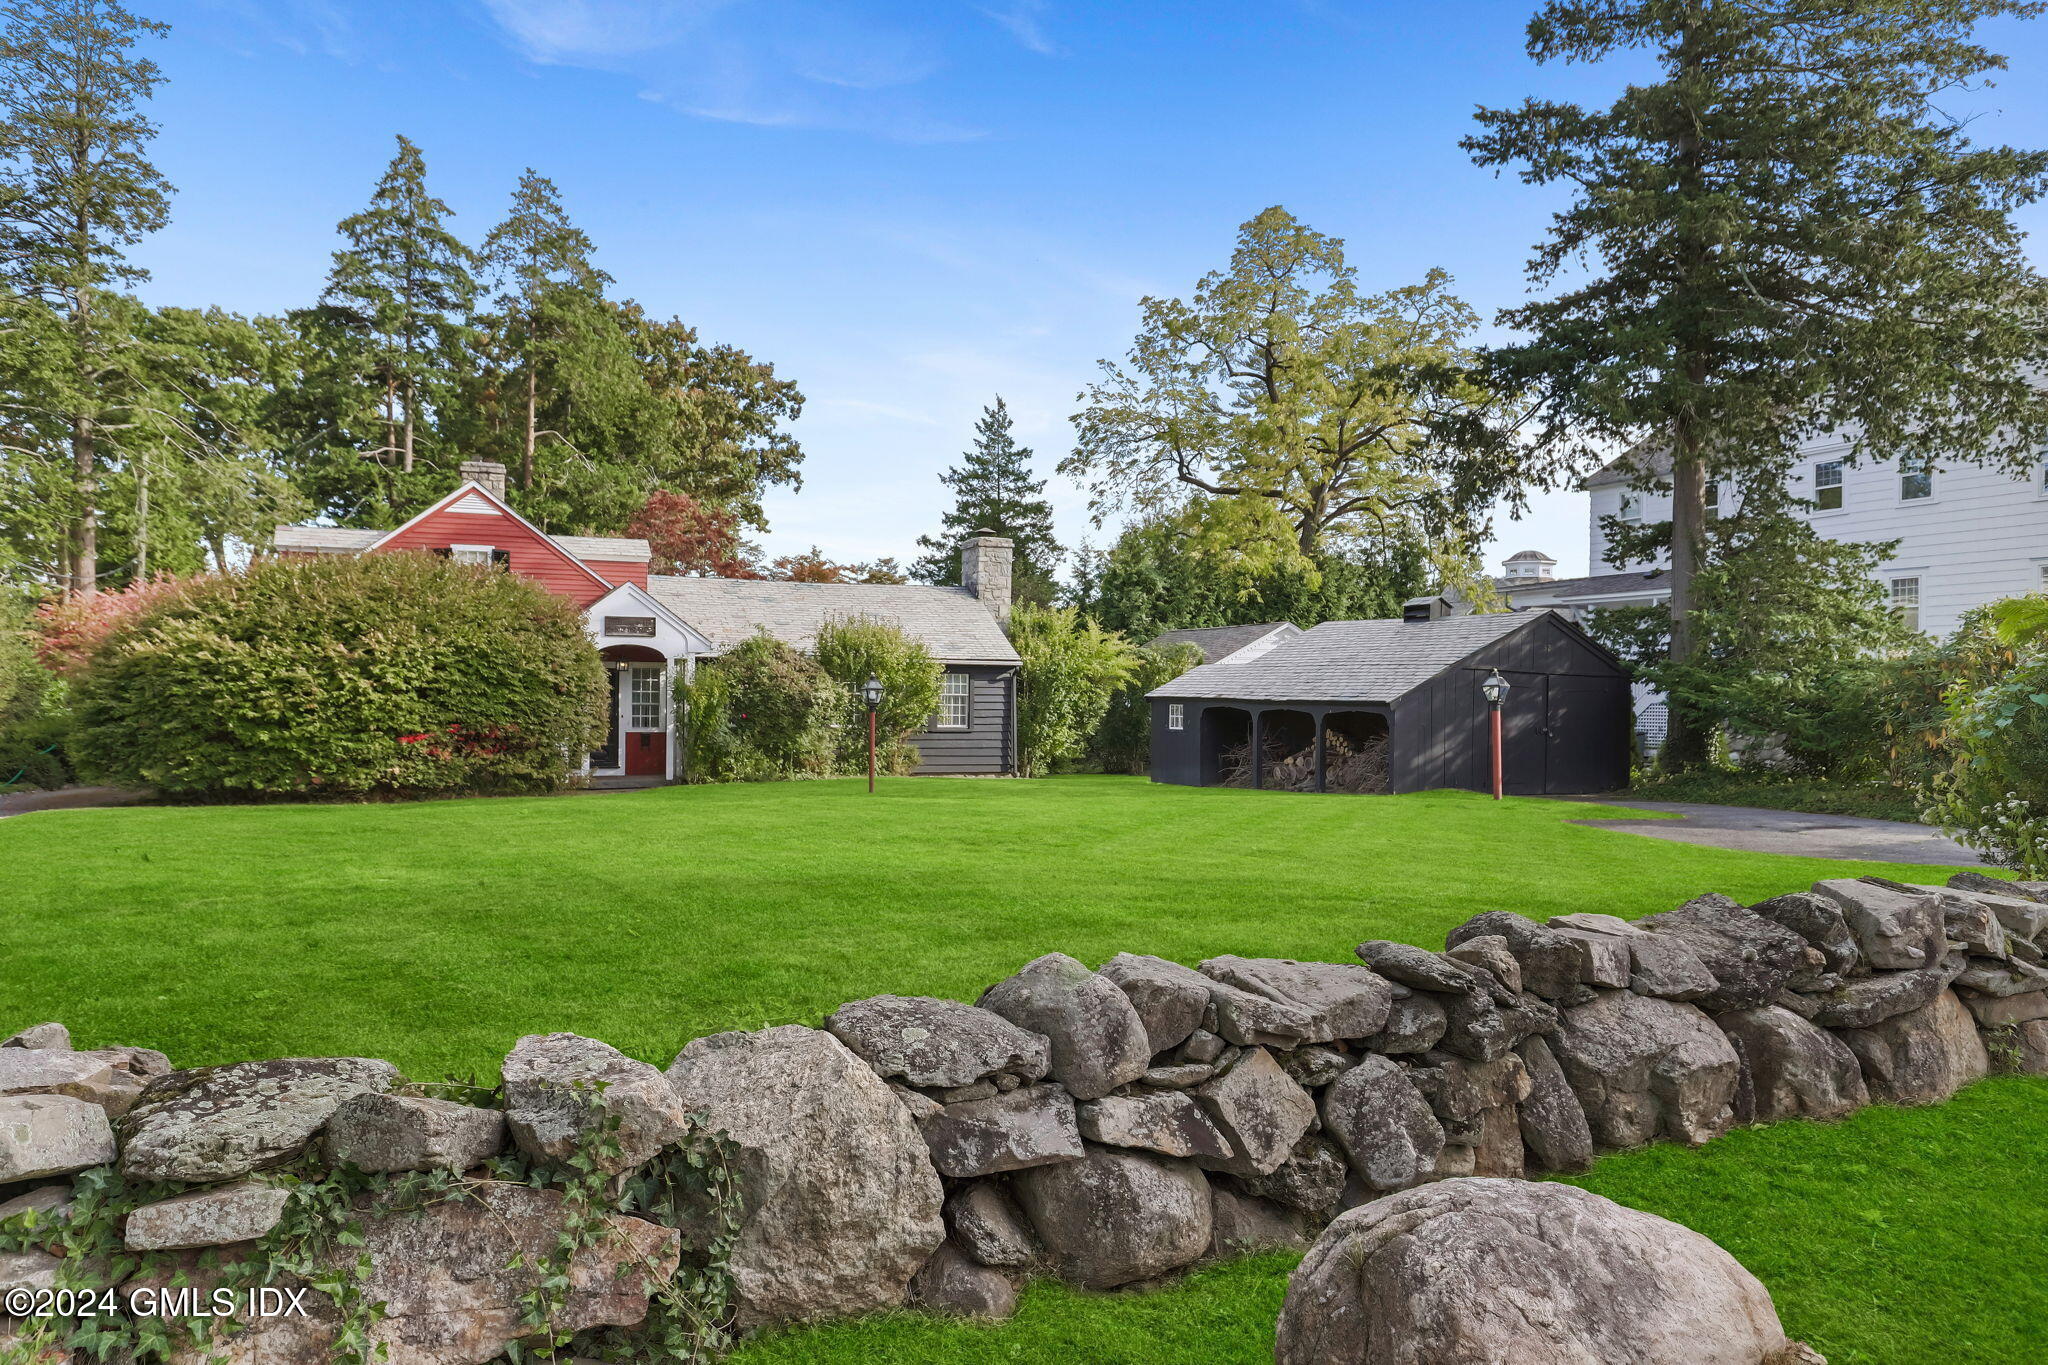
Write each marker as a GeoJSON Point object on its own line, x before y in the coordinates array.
{"type": "Point", "coordinates": [987, 744]}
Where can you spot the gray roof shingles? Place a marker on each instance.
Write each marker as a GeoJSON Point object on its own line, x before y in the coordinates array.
{"type": "Point", "coordinates": [343, 540]}
{"type": "Point", "coordinates": [1220, 642]}
{"type": "Point", "coordinates": [1599, 585]}
{"type": "Point", "coordinates": [1348, 661]}
{"type": "Point", "coordinates": [950, 622]}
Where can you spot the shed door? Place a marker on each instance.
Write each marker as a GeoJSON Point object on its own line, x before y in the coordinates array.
{"type": "Point", "coordinates": [1588, 735]}
{"type": "Point", "coordinates": [1525, 734]}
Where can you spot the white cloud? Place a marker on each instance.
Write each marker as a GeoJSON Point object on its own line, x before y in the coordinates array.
{"type": "Point", "coordinates": [577, 31]}
{"type": "Point", "coordinates": [1022, 19]}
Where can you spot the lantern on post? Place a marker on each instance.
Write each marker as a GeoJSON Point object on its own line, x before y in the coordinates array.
{"type": "Point", "coordinates": [1495, 690]}
{"type": "Point", "coordinates": [871, 692]}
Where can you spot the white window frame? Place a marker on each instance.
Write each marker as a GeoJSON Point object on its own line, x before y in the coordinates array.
{"type": "Point", "coordinates": [1176, 716]}
{"type": "Point", "coordinates": [1631, 513]}
{"type": "Point", "coordinates": [955, 697]}
{"type": "Point", "coordinates": [636, 674]}
{"type": "Point", "coordinates": [1712, 497]}
{"type": "Point", "coordinates": [1905, 604]}
{"type": "Point", "coordinates": [1820, 489]}
{"type": "Point", "coordinates": [468, 554]}
{"type": "Point", "coordinates": [1925, 470]}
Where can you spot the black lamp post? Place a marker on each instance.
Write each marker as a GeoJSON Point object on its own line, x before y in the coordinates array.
{"type": "Point", "coordinates": [1495, 690]}
{"type": "Point", "coordinates": [871, 692]}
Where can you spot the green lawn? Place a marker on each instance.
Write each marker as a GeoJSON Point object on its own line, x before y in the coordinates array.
{"type": "Point", "coordinates": [433, 934]}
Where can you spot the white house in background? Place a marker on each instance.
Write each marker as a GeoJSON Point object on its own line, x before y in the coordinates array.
{"type": "Point", "coordinates": [1966, 536]}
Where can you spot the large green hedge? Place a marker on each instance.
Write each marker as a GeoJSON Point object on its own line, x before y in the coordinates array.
{"type": "Point", "coordinates": [398, 673]}
{"type": "Point", "coordinates": [858, 648]}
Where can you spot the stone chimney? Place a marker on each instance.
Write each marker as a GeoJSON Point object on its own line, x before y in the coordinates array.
{"type": "Point", "coordinates": [488, 475]}
{"type": "Point", "coordinates": [985, 570]}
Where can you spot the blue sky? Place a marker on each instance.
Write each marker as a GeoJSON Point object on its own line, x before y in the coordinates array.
{"type": "Point", "coordinates": [909, 208]}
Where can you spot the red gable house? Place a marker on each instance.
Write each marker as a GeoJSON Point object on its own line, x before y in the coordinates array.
{"type": "Point", "coordinates": [642, 641]}
{"type": "Point", "coordinates": [648, 627]}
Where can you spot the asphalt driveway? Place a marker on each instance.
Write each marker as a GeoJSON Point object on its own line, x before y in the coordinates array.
{"type": "Point", "coordinates": [1786, 831]}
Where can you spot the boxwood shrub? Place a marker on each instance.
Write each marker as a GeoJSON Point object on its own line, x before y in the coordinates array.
{"type": "Point", "coordinates": [395, 673]}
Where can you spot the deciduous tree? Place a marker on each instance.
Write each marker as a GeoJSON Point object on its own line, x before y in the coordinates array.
{"type": "Point", "coordinates": [1788, 235]}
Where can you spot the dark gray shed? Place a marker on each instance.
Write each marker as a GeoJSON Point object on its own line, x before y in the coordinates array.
{"type": "Point", "coordinates": [1396, 706]}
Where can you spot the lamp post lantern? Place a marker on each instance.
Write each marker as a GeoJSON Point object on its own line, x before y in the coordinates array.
{"type": "Point", "coordinates": [871, 692]}
{"type": "Point", "coordinates": [1495, 690]}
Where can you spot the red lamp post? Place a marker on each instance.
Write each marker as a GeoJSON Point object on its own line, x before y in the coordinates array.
{"type": "Point", "coordinates": [871, 692]}
{"type": "Point", "coordinates": [1495, 689]}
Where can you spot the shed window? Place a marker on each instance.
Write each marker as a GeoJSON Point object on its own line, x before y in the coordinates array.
{"type": "Point", "coordinates": [1827, 485]}
{"type": "Point", "coordinates": [1906, 601]}
{"type": "Point", "coordinates": [1174, 715]}
{"type": "Point", "coordinates": [953, 701]}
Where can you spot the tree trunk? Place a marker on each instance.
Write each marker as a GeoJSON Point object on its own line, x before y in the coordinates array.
{"type": "Point", "coordinates": [141, 521]}
{"type": "Point", "coordinates": [405, 466]}
{"type": "Point", "coordinates": [85, 544]}
{"type": "Point", "coordinates": [532, 405]}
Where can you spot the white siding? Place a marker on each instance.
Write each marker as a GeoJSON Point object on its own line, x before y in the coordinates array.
{"type": "Point", "coordinates": [1983, 535]}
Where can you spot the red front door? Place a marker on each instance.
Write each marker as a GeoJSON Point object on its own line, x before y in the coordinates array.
{"type": "Point", "coordinates": [645, 713]}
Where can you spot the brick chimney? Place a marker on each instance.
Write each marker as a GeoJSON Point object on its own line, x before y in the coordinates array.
{"type": "Point", "coordinates": [488, 475]}
{"type": "Point", "coordinates": [985, 570]}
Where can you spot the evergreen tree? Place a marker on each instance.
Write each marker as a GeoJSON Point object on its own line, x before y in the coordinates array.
{"type": "Point", "coordinates": [1789, 237]}
{"type": "Point", "coordinates": [993, 491]}
{"type": "Point", "coordinates": [77, 188]}
{"type": "Point", "coordinates": [397, 304]}
{"type": "Point", "coordinates": [545, 283]}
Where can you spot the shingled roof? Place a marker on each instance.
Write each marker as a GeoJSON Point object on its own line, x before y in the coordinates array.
{"type": "Point", "coordinates": [1349, 661]}
{"type": "Point", "coordinates": [950, 622]}
{"type": "Point", "coordinates": [348, 540]}
{"type": "Point", "coordinates": [1218, 643]}
{"type": "Point", "coordinates": [1645, 582]}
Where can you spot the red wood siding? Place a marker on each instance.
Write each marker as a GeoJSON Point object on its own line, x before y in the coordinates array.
{"type": "Point", "coordinates": [617, 571]}
{"type": "Point", "coordinates": [532, 556]}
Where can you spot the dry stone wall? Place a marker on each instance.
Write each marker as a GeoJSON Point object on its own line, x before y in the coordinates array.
{"type": "Point", "coordinates": [1110, 1126]}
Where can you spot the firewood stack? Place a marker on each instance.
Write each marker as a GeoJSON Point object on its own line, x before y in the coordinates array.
{"type": "Point", "coordinates": [1349, 765]}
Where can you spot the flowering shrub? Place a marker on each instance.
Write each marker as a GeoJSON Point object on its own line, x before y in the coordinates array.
{"type": "Point", "coordinates": [71, 629]}
{"type": "Point", "coordinates": [396, 673]}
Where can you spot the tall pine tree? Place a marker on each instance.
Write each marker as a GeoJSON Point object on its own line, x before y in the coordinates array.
{"type": "Point", "coordinates": [398, 300]}
{"type": "Point", "coordinates": [1788, 236]}
{"type": "Point", "coordinates": [77, 188]}
{"type": "Point", "coordinates": [993, 491]}
{"type": "Point", "coordinates": [545, 284]}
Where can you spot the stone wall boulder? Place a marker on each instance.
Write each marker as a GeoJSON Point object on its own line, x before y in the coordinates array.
{"type": "Point", "coordinates": [1790, 1068]}
{"type": "Point", "coordinates": [1247, 1223]}
{"type": "Point", "coordinates": [954, 1283]}
{"type": "Point", "coordinates": [218, 1215]}
{"type": "Point", "coordinates": [988, 1226]}
{"type": "Point", "coordinates": [1550, 965]}
{"type": "Point", "coordinates": [452, 1276]}
{"type": "Point", "coordinates": [1098, 1041]}
{"type": "Point", "coordinates": [1383, 1123]}
{"type": "Point", "coordinates": [1169, 1123]}
{"type": "Point", "coordinates": [1863, 1001]}
{"type": "Point", "coordinates": [1537, 1273]}
{"type": "Point", "coordinates": [1117, 1216]}
{"type": "Point", "coordinates": [1171, 1000]}
{"type": "Point", "coordinates": [1751, 957]}
{"type": "Point", "coordinates": [1894, 929]}
{"type": "Point", "coordinates": [1552, 1122]}
{"type": "Point", "coordinates": [1235, 1016]}
{"type": "Point", "coordinates": [1416, 968]}
{"type": "Point", "coordinates": [1645, 1068]}
{"type": "Point", "coordinates": [52, 1036]}
{"type": "Point", "coordinates": [1027, 1127]}
{"type": "Point", "coordinates": [1311, 1180]}
{"type": "Point", "coordinates": [1658, 964]}
{"type": "Point", "coordinates": [1340, 1000]}
{"type": "Point", "coordinates": [1819, 921]}
{"type": "Point", "coordinates": [1921, 1057]}
{"type": "Point", "coordinates": [384, 1133]}
{"type": "Point", "coordinates": [223, 1122]}
{"type": "Point", "coordinates": [938, 1044]}
{"type": "Point", "coordinates": [1416, 1023]}
{"type": "Point", "coordinates": [842, 1205]}
{"type": "Point", "coordinates": [562, 1090]}
{"type": "Point", "coordinates": [1260, 1112]}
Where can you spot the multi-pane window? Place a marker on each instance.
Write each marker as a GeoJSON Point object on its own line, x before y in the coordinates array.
{"type": "Point", "coordinates": [1174, 715]}
{"type": "Point", "coordinates": [1713, 498]}
{"type": "Point", "coordinates": [1916, 481]}
{"type": "Point", "coordinates": [1827, 485]}
{"type": "Point", "coordinates": [1906, 601]}
{"type": "Point", "coordinates": [643, 709]}
{"type": "Point", "coordinates": [471, 554]}
{"type": "Point", "coordinates": [1631, 508]}
{"type": "Point", "coordinates": [953, 698]}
